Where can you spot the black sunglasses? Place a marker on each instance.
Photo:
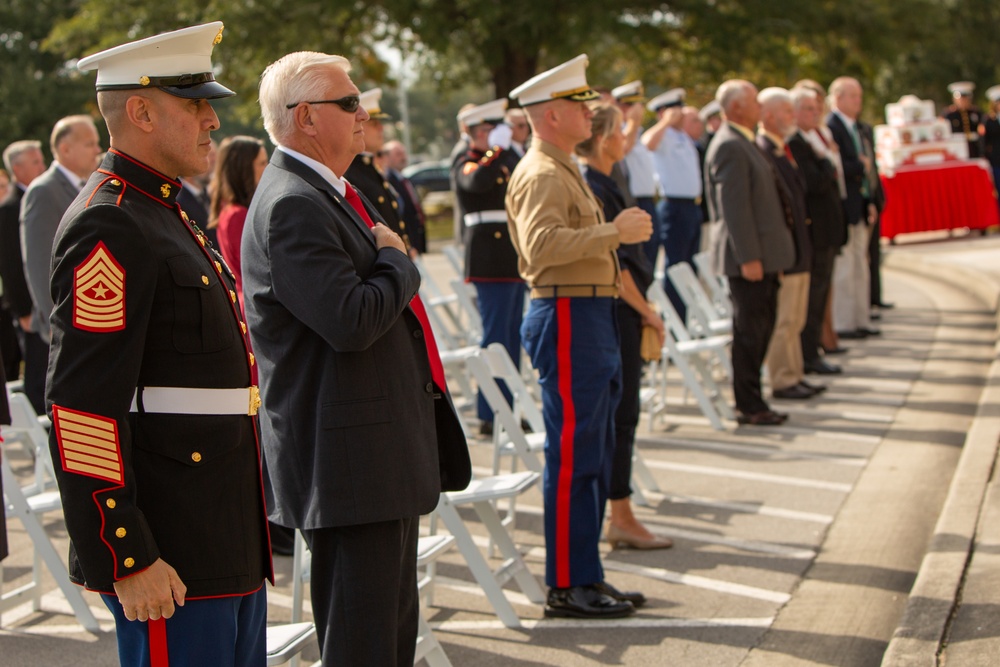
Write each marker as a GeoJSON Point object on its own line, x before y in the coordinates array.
{"type": "Point", "coordinates": [349, 104]}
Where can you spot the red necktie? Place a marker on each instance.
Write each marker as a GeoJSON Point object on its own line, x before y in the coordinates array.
{"type": "Point", "coordinates": [788, 154]}
{"type": "Point", "coordinates": [433, 356]}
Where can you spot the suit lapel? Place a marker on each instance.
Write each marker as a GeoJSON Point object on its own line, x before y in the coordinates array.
{"type": "Point", "coordinates": [288, 163]}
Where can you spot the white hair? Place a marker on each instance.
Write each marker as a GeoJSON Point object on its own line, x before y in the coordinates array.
{"type": "Point", "coordinates": [296, 77]}
{"type": "Point", "coordinates": [12, 154]}
{"type": "Point", "coordinates": [799, 94]}
{"type": "Point", "coordinates": [731, 92]}
{"type": "Point", "coordinates": [770, 97]}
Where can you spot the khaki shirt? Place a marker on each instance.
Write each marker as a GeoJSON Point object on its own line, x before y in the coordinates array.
{"type": "Point", "coordinates": [556, 223]}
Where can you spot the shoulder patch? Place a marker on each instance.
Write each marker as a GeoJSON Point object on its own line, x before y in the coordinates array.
{"type": "Point", "coordinates": [88, 444]}
{"type": "Point", "coordinates": [99, 293]}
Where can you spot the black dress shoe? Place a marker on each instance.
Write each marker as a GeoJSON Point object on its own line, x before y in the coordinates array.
{"type": "Point", "coordinates": [834, 350]}
{"type": "Point", "coordinates": [762, 418]}
{"type": "Point", "coordinates": [635, 597]}
{"type": "Point", "coordinates": [857, 334]}
{"type": "Point", "coordinates": [822, 368]}
{"type": "Point", "coordinates": [486, 428]}
{"type": "Point", "coordinates": [795, 392]}
{"type": "Point", "coordinates": [875, 315]}
{"type": "Point", "coordinates": [814, 388]}
{"type": "Point", "coordinates": [870, 331]}
{"type": "Point", "coordinates": [585, 602]}
{"type": "Point", "coordinates": [884, 305]}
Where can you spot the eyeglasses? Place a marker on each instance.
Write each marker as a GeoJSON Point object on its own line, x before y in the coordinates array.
{"type": "Point", "coordinates": [349, 104]}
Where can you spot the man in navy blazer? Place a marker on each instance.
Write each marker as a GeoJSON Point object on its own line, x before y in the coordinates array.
{"type": "Point", "coordinates": [358, 431]}
{"type": "Point", "coordinates": [851, 273]}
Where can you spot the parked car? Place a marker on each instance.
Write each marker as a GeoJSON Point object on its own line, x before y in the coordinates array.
{"type": "Point", "coordinates": [430, 180]}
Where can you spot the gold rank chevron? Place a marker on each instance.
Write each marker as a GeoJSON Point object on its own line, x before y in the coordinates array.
{"type": "Point", "coordinates": [99, 293]}
{"type": "Point", "coordinates": [88, 444]}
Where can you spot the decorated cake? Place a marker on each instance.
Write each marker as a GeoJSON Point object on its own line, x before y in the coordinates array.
{"type": "Point", "coordinates": [915, 136]}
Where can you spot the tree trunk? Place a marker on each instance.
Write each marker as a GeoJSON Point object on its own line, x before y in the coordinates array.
{"type": "Point", "coordinates": [518, 66]}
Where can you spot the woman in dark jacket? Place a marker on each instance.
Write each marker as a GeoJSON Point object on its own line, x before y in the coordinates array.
{"type": "Point", "coordinates": [599, 153]}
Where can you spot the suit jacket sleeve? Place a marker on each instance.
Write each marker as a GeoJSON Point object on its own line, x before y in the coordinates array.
{"type": "Point", "coordinates": [819, 173]}
{"type": "Point", "coordinates": [40, 216]}
{"type": "Point", "coordinates": [15, 287]}
{"type": "Point", "coordinates": [732, 178]}
{"type": "Point", "coordinates": [317, 280]}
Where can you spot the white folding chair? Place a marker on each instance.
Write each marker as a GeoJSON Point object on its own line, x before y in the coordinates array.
{"type": "Point", "coordinates": [455, 256]}
{"type": "Point", "coordinates": [429, 549]}
{"type": "Point", "coordinates": [481, 495]}
{"type": "Point", "coordinates": [691, 356]}
{"type": "Point", "coordinates": [442, 309]}
{"type": "Point", "coordinates": [718, 286]}
{"type": "Point", "coordinates": [466, 298]}
{"type": "Point", "coordinates": [31, 432]}
{"type": "Point", "coordinates": [703, 318]}
{"type": "Point", "coordinates": [28, 508]}
{"type": "Point", "coordinates": [286, 641]}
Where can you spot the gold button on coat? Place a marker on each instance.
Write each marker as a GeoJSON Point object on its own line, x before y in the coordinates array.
{"type": "Point", "coordinates": [204, 279]}
{"type": "Point", "coordinates": [232, 295]}
{"type": "Point", "coordinates": [129, 562]}
{"type": "Point", "coordinates": [196, 457]}
{"type": "Point", "coordinates": [110, 502]}
{"type": "Point", "coordinates": [120, 533]}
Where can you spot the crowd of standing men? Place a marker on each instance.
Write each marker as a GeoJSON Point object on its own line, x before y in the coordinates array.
{"type": "Point", "coordinates": [279, 364]}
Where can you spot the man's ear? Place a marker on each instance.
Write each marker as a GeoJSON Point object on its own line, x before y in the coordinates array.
{"type": "Point", "coordinates": [140, 112]}
{"type": "Point", "coordinates": [302, 114]}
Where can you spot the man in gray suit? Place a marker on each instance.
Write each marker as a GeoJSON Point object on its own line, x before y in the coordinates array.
{"type": "Point", "coordinates": [75, 148]}
{"type": "Point", "coordinates": [751, 241]}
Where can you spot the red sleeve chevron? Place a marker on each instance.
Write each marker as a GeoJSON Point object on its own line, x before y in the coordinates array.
{"type": "Point", "coordinates": [99, 293]}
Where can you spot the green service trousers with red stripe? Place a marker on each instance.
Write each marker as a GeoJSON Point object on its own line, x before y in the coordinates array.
{"type": "Point", "coordinates": [573, 344]}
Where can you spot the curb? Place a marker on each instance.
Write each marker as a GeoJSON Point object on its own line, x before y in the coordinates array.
{"type": "Point", "coordinates": [936, 592]}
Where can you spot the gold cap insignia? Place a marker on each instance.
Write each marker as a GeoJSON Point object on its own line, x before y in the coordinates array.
{"type": "Point", "coordinates": [218, 37]}
{"type": "Point", "coordinates": [143, 80]}
{"type": "Point", "coordinates": [165, 190]}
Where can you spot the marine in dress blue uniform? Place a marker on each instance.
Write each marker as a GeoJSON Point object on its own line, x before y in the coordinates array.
{"type": "Point", "coordinates": [481, 177]}
{"type": "Point", "coordinates": [566, 253]}
{"type": "Point", "coordinates": [149, 383]}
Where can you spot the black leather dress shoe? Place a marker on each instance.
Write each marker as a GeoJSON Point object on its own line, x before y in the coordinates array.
{"type": "Point", "coordinates": [762, 418]}
{"type": "Point", "coordinates": [857, 334]}
{"type": "Point", "coordinates": [635, 597]}
{"type": "Point", "coordinates": [884, 305]}
{"type": "Point", "coordinates": [834, 350]}
{"type": "Point", "coordinates": [485, 428]}
{"type": "Point", "coordinates": [822, 368]}
{"type": "Point", "coordinates": [814, 388]}
{"type": "Point", "coordinates": [795, 392]}
{"type": "Point", "coordinates": [585, 602]}
{"type": "Point", "coordinates": [870, 331]}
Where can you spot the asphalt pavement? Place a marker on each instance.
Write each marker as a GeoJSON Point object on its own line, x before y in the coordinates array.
{"type": "Point", "coordinates": [865, 531]}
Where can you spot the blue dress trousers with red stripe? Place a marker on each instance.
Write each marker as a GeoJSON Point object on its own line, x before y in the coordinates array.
{"type": "Point", "coordinates": [573, 344]}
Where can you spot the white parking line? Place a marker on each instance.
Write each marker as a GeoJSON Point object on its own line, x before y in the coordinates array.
{"type": "Point", "coordinates": [698, 582]}
{"type": "Point", "coordinates": [752, 476]}
{"type": "Point", "coordinates": [632, 623]}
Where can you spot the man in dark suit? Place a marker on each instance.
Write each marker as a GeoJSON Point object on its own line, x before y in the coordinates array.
{"type": "Point", "coordinates": [851, 274]}
{"type": "Point", "coordinates": [827, 229]}
{"type": "Point", "coordinates": [75, 148]}
{"type": "Point", "coordinates": [784, 354]}
{"type": "Point", "coordinates": [25, 162]}
{"type": "Point", "coordinates": [750, 244]}
{"type": "Point", "coordinates": [411, 212]}
{"type": "Point", "coordinates": [358, 430]}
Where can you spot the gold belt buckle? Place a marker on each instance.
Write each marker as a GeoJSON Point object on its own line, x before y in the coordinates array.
{"type": "Point", "coordinates": [254, 401]}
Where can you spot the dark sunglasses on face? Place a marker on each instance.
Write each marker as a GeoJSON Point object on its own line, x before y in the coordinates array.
{"type": "Point", "coordinates": [349, 104]}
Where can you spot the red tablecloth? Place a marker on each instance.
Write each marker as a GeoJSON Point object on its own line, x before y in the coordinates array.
{"type": "Point", "coordinates": [946, 196]}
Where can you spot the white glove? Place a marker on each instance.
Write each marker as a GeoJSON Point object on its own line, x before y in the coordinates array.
{"type": "Point", "coordinates": [501, 136]}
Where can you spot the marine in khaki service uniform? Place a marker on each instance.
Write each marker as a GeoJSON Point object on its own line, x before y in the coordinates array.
{"type": "Point", "coordinates": [567, 254]}
{"type": "Point", "coordinates": [481, 177]}
{"type": "Point", "coordinates": [154, 432]}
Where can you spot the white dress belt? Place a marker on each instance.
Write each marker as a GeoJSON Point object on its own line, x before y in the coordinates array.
{"type": "Point", "coordinates": [485, 216]}
{"type": "Point", "coordinates": [197, 400]}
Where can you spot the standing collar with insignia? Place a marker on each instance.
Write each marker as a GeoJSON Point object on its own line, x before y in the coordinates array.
{"type": "Point", "coordinates": [141, 177]}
